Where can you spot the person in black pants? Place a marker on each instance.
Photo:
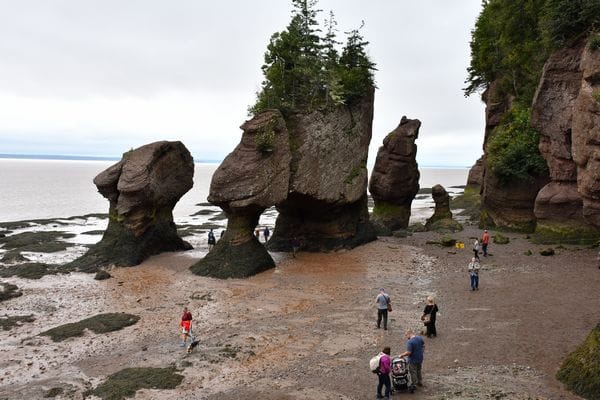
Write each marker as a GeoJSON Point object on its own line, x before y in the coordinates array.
{"type": "Point", "coordinates": [429, 315]}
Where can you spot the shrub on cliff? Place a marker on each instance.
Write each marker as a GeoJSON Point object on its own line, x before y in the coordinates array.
{"type": "Point", "coordinates": [304, 71]}
{"type": "Point", "coordinates": [512, 151]}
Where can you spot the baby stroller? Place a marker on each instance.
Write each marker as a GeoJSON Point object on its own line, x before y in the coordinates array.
{"type": "Point", "coordinates": [400, 375]}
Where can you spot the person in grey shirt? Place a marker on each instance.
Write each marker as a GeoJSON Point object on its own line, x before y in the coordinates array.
{"type": "Point", "coordinates": [382, 300]}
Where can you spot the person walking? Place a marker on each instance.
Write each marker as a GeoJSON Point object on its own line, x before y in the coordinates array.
{"type": "Point", "coordinates": [385, 367]}
{"type": "Point", "coordinates": [266, 233]}
{"type": "Point", "coordinates": [415, 349]}
{"type": "Point", "coordinates": [211, 240]}
{"type": "Point", "coordinates": [383, 305]}
{"type": "Point", "coordinates": [186, 326]}
{"type": "Point", "coordinates": [476, 248]}
{"type": "Point", "coordinates": [295, 246]}
{"type": "Point", "coordinates": [474, 273]}
{"type": "Point", "coordinates": [429, 317]}
{"type": "Point", "coordinates": [485, 240]}
{"type": "Point", "coordinates": [257, 234]}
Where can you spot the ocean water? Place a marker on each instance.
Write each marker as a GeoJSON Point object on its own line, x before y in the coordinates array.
{"type": "Point", "coordinates": [51, 189]}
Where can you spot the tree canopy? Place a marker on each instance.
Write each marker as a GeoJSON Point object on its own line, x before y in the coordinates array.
{"type": "Point", "coordinates": [304, 71]}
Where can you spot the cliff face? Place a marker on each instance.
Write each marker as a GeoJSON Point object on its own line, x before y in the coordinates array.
{"type": "Point", "coordinates": [586, 136]}
{"type": "Point", "coordinates": [565, 113]}
{"type": "Point", "coordinates": [326, 207]}
{"type": "Point", "coordinates": [142, 190]}
{"type": "Point", "coordinates": [253, 177]}
{"type": "Point", "coordinates": [395, 178]}
{"type": "Point", "coordinates": [508, 206]}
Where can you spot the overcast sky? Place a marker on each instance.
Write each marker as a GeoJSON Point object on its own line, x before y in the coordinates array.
{"type": "Point", "coordinates": [96, 78]}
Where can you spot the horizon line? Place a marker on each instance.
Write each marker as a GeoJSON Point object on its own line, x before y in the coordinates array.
{"type": "Point", "coordinates": [114, 158]}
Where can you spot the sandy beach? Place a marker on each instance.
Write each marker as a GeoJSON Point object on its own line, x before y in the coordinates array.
{"type": "Point", "coordinates": [306, 329]}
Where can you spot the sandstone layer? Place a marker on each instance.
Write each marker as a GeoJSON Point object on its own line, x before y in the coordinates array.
{"type": "Point", "coordinates": [253, 177]}
{"type": "Point", "coordinates": [563, 112]}
{"type": "Point", "coordinates": [506, 206]}
{"type": "Point", "coordinates": [142, 190]}
{"type": "Point", "coordinates": [395, 178]}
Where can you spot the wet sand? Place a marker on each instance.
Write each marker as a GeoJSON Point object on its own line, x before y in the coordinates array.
{"type": "Point", "coordinates": [306, 329]}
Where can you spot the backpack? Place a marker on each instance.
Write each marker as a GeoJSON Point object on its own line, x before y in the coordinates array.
{"type": "Point", "coordinates": [374, 363]}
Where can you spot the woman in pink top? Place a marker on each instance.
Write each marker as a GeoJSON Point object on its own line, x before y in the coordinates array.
{"type": "Point", "coordinates": [385, 367]}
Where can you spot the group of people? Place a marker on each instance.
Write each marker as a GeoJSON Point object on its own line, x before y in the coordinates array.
{"type": "Point", "coordinates": [266, 234]}
{"type": "Point", "coordinates": [415, 344]}
{"type": "Point", "coordinates": [474, 265]}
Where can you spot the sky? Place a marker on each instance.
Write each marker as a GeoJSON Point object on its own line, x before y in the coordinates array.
{"type": "Point", "coordinates": [100, 77]}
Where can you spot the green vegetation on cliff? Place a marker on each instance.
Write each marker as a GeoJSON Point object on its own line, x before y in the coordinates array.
{"type": "Point", "coordinates": [511, 42]}
{"type": "Point", "coordinates": [305, 72]}
{"type": "Point", "coordinates": [512, 152]}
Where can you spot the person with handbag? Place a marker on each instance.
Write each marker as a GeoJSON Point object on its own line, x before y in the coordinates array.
{"type": "Point", "coordinates": [429, 316]}
{"type": "Point", "coordinates": [384, 305]}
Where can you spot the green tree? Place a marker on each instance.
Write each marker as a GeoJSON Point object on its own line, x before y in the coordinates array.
{"type": "Point", "coordinates": [507, 47]}
{"type": "Point", "coordinates": [568, 20]}
{"type": "Point", "coordinates": [293, 63]}
{"type": "Point", "coordinates": [304, 72]}
{"type": "Point", "coordinates": [356, 68]}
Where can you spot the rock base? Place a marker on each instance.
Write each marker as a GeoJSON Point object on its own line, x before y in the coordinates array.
{"type": "Point", "coordinates": [228, 260]}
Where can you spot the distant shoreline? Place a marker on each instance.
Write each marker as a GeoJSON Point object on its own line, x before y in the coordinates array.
{"type": "Point", "coordinates": [107, 158]}
{"type": "Point", "coordinates": [79, 158]}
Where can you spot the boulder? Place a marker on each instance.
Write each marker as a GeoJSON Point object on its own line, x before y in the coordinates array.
{"type": "Point", "coordinates": [586, 135]}
{"type": "Point", "coordinates": [252, 178]}
{"type": "Point", "coordinates": [326, 206]}
{"type": "Point", "coordinates": [395, 178]}
{"type": "Point", "coordinates": [142, 190]}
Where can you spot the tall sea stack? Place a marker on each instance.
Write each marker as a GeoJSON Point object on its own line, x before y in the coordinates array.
{"type": "Point", "coordinates": [253, 177]}
{"type": "Point", "coordinates": [142, 190]}
{"type": "Point", "coordinates": [395, 178]}
{"type": "Point", "coordinates": [326, 206]}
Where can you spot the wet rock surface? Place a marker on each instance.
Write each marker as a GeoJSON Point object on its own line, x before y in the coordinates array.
{"type": "Point", "coordinates": [311, 337]}
{"type": "Point", "coordinates": [142, 190]}
{"type": "Point", "coordinates": [395, 178]}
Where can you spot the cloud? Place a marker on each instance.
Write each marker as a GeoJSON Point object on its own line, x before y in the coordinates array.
{"type": "Point", "coordinates": [99, 77]}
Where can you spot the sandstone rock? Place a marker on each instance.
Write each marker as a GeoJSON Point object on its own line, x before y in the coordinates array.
{"type": "Point", "coordinates": [142, 189]}
{"type": "Point", "coordinates": [557, 114]}
{"type": "Point", "coordinates": [253, 177]}
{"type": "Point", "coordinates": [395, 178]}
{"type": "Point", "coordinates": [442, 216]}
{"type": "Point", "coordinates": [510, 206]}
{"type": "Point", "coordinates": [586, 135]}
{"type": "Point", "coordinates": [326, 207]}
{"type": "Point", "coordinates": [475, 177]}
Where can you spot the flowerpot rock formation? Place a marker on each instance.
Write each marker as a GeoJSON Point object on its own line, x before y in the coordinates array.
{"type": "Point", "coordinates": [142, 190]}
{"type": "Point", "coordinates": [253, 177]}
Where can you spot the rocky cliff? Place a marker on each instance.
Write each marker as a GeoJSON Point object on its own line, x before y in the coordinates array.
{"type": "Point", "coordinates": [565, 114]}
{"type": "Point", "coordinates": [395, 177]}
{"type": "Point", "coordinates": [510, 205]}
{"type": "Point", "coordinates": [253, 177]}
{"type": "Point", "coordinates": [142, 190]}
{"type": "Point", "coordinates": [586, 134]}
{"type": "Point", "coordinates": [326, 206]}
